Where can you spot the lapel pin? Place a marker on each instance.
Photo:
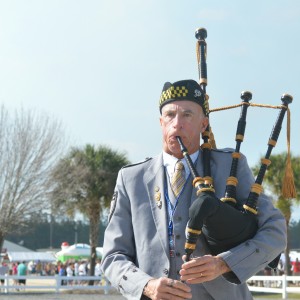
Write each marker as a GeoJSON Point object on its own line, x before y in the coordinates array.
{"type": "Point", "coordinates": [157, 197]}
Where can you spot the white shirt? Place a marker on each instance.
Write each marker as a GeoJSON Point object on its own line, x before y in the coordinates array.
{"type": "Point", "coordinates": [169, 162]}
{"type": "Point", "coordinates": [97, 270]}
{"type": "Point", "coordinates": [69, 271]}
{"type": "Point", "coordinates": [82, 269]}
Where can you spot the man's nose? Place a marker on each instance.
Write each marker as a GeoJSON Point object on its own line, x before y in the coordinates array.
{"type": "Point", "coordinates": [177, 121]}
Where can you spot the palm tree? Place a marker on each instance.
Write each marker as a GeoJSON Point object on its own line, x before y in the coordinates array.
{"type": "Point", "coordinates": [84, 182]}
{"type": "Point", "coordinates": [273, 181]}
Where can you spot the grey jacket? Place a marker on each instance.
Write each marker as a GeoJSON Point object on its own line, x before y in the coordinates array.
{"type": "Point", "coordinates": [136, 240]}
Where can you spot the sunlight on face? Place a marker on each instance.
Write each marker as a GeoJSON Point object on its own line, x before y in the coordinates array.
{"type": "Point", "coordinates": [185, 119]}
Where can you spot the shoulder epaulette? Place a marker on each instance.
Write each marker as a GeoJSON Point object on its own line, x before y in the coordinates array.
{"type": "Point", "coordinates": [138, 163]}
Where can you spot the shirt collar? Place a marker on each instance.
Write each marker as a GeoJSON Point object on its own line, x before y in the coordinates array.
{"type": "Point", "coordinates": [169, 162]}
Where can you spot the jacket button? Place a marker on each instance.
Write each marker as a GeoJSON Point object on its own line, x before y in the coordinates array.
{"type": "Point", "coordinates": [165, 271]}
{"type": "Point", "coordinates": [178, 236]}
{"type": "Point", "coordinates": [178, 254]}
{"type": "Point", "coordinates": [125, 277]}
{"type": "Point", "coordinates": [257, 250]}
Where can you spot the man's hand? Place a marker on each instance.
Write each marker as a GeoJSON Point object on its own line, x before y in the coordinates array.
{"type": "Point", "coordinates": [202, 269]}
{"type": "Point", "coordinates": [166, 288]}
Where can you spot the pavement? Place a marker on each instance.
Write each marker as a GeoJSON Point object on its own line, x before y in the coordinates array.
{"type": "Point", "coordinates": [47, 292]}
{"type": "Point", "coordinates": [60, 296]}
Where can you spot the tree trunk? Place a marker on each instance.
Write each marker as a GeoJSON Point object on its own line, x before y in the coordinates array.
{"type": "Point", "coordinates": [1, 240]}
{"type": "Point", "coordinates": [285, 206]}
{"type": "Point", "coordinates": [287, 266]}
{"type": "Point", "coordinates": [94, 236]}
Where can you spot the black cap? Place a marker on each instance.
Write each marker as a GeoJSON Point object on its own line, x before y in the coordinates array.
{"type": "Point", "coordinates": [183, 90]}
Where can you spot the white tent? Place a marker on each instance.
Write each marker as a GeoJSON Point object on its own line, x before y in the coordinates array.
{"type": "Point", "coordinates": [294, 255]}
{"type": "Point", "coordinates": [31, 256]}
{"type": "Point", "coordinates": [12, 247]}
{"type": "Point", "coordinates": [77, 251]}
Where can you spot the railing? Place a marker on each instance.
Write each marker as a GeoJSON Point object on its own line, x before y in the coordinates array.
{"type": "Point", "coordinates": [275, 284]}
{"type": "Point", "coordinates": [263, 284]}
{"type": "Point", "coordinates": [54, 283]}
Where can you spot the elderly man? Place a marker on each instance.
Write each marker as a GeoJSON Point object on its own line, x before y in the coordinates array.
{"type": "Point", "coordinates": [144, 240]}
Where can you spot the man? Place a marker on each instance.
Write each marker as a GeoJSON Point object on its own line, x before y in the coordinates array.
{"type": "Point", "coordinates": [144, 240]}
{"type": "Point", "coordinates": [22, 271]}
{"type": "Point", "coordinates": [3, 270]}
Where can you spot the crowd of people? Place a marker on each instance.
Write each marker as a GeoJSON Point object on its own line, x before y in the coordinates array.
{"type": "Point", "coordinates": [69, 268]}
{"type": "Point", "coordinates": [19, 269]}
{"type": "Point", "coordinates": [74, 268]}
{"type": "Point", "coordinates": [294, 269]}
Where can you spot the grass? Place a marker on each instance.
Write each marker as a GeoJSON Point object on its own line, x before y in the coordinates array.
{"type": "Point", "coordinates": [274, 296]}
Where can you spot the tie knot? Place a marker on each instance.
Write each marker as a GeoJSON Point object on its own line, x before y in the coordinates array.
{"type": "Point", "coordinates": [179, 166]}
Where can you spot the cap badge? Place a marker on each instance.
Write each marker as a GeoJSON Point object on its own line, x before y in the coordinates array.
{"type": "Point", "coordinates": [197, 93]}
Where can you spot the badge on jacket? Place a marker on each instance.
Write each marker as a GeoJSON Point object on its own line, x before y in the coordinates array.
{"type": "Point", "coordinates": [157, 197]}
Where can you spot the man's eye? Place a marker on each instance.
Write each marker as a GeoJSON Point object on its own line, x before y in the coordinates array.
{"type": "Point", "coordinates": [170, 114]}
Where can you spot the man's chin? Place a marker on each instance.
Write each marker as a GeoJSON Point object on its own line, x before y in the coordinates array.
{"type": "Point", "coordinates": [175, 151]}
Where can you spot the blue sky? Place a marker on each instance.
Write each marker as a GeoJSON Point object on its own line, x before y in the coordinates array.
{"type": "Point", "coordinates": [99, 66]}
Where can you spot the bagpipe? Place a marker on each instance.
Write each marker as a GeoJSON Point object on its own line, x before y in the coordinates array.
{"type": "Point", "coordinates": [223, 222]}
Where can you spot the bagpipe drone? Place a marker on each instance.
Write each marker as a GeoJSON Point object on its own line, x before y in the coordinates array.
{"type": "Point", "coordinates": [223, 223]}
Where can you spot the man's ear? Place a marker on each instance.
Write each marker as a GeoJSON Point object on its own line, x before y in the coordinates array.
{"type": "Point", "coordinates": [160, 121]}
{"type": "Point", "coordinates": [204, 124]}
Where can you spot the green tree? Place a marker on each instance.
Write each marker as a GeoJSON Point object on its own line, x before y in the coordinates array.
{"type": "Point", "coordinates": [273, 181]}
{"type": "Point", "coordinates": [85, 181]}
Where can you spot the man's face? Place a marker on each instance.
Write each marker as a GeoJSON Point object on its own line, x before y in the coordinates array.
{"type": "Point", "coordinates": [185, 119]}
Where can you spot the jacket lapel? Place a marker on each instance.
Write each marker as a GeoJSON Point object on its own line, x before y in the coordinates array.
{"type": "Point", "coordinates": [155, 186]}
{"type": "Point", "coordinates": [155, 183]}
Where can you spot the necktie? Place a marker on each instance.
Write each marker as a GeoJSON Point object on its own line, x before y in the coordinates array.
{"type": "Point", "coordinates": [178, 178]}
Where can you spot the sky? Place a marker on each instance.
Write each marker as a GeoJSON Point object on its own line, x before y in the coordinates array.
{"type": "Point", "coordinates": [99, 66]}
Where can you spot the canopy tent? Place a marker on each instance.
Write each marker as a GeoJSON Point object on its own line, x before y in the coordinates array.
{"type": "Point", "coordinates": [13, 247]}
{"type": "Point", "coordinates": [31, 256]}
{"type": "Point", "coordinates": [76, 252]}
{"type": "Point", "coordinates": [294, 255]}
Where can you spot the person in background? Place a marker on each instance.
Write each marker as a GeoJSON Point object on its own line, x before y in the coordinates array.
{"type": "Point", "coordinates": [82, 271]}
{"type": "Point", "coordinates": [38, 268]}
{"type": "Point", "coordinates": [76, 271]}
{"type": "Point", "coordinates": [143, 249]}
{"type": "Point", "coordinates": [14, 271]}
{"type": "Point", "coordinates": [3, 270]}
{"type": "Point", "coordinates": [98, 271]}
{"type": "Point", "coordinates": [70, 272]}
{"type": "Point", "coordinates": [296, 269]}
{"type": "Point", "coordinates": [22, 271]}
{"type": "Point", "coordinates": [82, 268]}
{"type": "Point", "coordinates": [31, 267]}
{"type": "Point", "coordinates": [62, 272]}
